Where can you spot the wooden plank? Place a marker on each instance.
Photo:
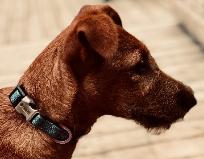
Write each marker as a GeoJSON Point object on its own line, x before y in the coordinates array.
{"type": "Point", "coordinates": [94, 144]}
{"type": "Point", "coordinates": [47, 20]}
{"type": "Point", "coordinates": [3, 16]}
{"type": "Point", "coordinates": [191, 17]}
{"type": "Point", "coordinates": [130, 153]}
{"type": "Point", "coordinates": [18, 29]}
{"type": "Point", "coordinates": [185, 148]}
{"type": "Point", "coordinates": [131, 15]}
{"type": "Point", "coordinates": [35, 32]}
{"type": "Point", "coordinates": [156, 12]}
{"type": "Point", "coordinates": [64, 15]}
{"type": "Point", "coordinates": [8, 22]}
{"type": "Point", "coordinates": [15, 59]}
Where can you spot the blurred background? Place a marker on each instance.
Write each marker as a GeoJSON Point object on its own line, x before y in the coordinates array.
{"type": "Point", "coordinates": [173, 30]}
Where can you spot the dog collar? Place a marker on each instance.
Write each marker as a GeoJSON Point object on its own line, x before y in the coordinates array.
{"type": "Point", "coordinates": [25, 105]}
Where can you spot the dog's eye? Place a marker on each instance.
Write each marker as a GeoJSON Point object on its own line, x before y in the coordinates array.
{"type": "Point", "coordinates": [140, 68]}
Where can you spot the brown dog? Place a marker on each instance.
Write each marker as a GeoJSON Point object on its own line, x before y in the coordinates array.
{"type": "Point", "coordinates": [94, 67]}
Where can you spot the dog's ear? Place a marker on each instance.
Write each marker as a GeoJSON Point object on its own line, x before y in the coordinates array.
{"type": "Point", "coordinates": [98, 42]}
{"type": "Point", "coordinates": [113, 14]}
{"type": "Point", "coordinates": [93, 9]}
{"type": "Point", "coordinates": [99, 33]}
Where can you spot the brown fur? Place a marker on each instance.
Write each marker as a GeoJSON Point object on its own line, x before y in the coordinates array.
{"type": "Point", "coordinates": [94, 67]}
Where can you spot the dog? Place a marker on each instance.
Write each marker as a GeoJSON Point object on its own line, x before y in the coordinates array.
{"type": "Point", "coordinates": [92, 68]}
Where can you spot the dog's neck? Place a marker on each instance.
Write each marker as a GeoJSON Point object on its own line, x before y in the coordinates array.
{"type": "Point", "coordinates": [50, 83]}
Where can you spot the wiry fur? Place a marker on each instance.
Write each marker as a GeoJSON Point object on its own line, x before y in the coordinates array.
{"type": "Point", "coordinates": [94, 67]}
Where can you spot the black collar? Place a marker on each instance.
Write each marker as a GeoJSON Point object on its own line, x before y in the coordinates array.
{"type": "Point", "coordinates": [27, 107]}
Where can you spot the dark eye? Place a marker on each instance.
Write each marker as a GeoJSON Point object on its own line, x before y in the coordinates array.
{"type": "Point", "coordinates": [140, 68]}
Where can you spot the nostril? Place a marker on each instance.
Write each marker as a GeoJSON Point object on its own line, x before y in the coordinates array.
{"type": "Point", "coordinates": [186, 99]}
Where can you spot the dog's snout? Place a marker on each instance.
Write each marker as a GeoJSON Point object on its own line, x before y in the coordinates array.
{"type": "Point", "coordinates": [186, 99]}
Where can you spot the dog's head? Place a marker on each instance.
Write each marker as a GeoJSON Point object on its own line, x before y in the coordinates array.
{"type": "Point", "coordinates": [116, 74]}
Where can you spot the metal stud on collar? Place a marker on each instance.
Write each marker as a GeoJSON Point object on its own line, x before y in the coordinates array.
{"type": "Point", "coordinates": [24, 108]}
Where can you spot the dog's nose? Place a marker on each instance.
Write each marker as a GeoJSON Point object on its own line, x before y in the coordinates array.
{"type": "Point", "coordinates": [186, 99]}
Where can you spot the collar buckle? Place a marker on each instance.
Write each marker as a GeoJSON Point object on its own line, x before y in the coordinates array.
{"type": "Point", "coordinates": [24, 107]}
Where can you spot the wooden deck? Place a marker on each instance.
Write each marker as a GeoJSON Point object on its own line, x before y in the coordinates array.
{"type": "Point", "coordinates": [27, 26]}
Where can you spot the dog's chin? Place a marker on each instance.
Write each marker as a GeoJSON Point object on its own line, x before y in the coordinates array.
{"type": "Point", "coordinates": [157, 125]}
{"type": "Point", "coordinates": [161, 128]}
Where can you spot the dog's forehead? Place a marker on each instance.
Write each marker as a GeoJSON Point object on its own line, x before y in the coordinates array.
{"type": "Point", "coordinates": [126, 60]}
{"type": "Point", "coordinates": [130, 50]}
